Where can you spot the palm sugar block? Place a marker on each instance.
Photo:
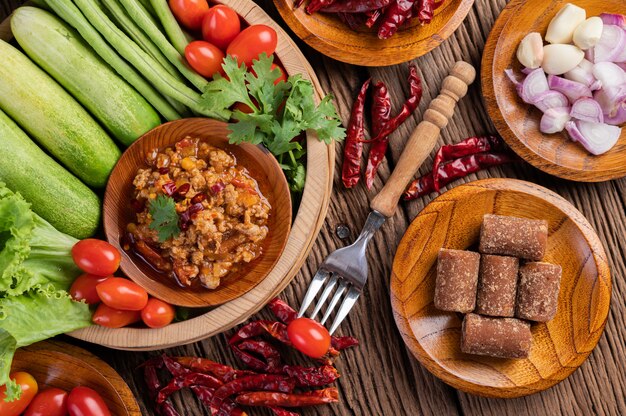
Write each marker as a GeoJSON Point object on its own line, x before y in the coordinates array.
{"type": "Point", "coordinates": [495, 337]}
{"type": "Point", "coordinates": [457, 280]}
{"type": "Point", "coordinates": [516, 237]}
{"type": "Point", "coordinates": [538, 291]}
{"type": "Point", "coordinates": [497, 285]}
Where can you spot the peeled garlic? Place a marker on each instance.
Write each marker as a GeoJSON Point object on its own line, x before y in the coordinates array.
{"type": "Point", "coordinates": [588, 33]}
{"type": "Point", "coordinates": [530, 51]}
{"type": "Point", "coordinates": [559, 59]}
{"type": "Point", "coordinates": [562, 26]}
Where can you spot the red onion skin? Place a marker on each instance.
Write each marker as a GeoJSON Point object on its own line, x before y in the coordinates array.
{"type": "Point", "coordinates": [613, 19]}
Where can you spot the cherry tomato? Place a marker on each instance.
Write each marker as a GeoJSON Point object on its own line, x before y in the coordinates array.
{"type": "Point", "coordinates": [50, 402]}
{"type": "Point", "coordinates": [84, 288]}
{"type": "Point", "coordinates": [309, 337]}
{"type": "Point", "coordinates": [157, 313]}
{"type": "Point", "coordinates": [84, 401]}
{"type": "Point", "coordinates": [96, 257]}
{"type": "Point", "coordinates": [251, 42]}
{"type": "Point", "coordinates": [29, 390]}
{"type": "Point", "coordinates": [114, 318]}
{"type": "Point", "coordinates": [120, 293]}
{"type": "Point", "coordinates": [220, 26]}
{"type": "Point", "coordinates": [205, 58]}
{"type": "Point", "coordinates": [244, 108]}
{"type": "Point", "coordinates": [189, 12]}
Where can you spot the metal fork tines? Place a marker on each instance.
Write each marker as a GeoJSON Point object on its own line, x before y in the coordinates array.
{"type": "Point", "coordinates": [345, 272]}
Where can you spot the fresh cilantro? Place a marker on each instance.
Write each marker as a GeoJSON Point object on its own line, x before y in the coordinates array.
{"type": "Point", "coordinates": [280, 113]}
{"type": "Point", "coordinates": [164, 217]}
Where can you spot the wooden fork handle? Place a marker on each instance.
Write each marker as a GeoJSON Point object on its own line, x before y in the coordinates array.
{"type": "Point", "coordinates": [424, 137]}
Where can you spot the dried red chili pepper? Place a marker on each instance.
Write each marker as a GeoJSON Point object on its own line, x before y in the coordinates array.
{"type": "Point", "coordinates": [312, 376]}
{"type": "Point", "coordinates": [395, 16]}
{"type": "Point", "coordinates": [425, 9]}
{"type": "Point", "coordinates": [222, 372]}
{"type": "Point", "coordinates": [353, 20]}
{"type": "Point", "coordinates": [409, 106]}
{"type": "Point", "coordinates": [282, 311]}
{"type": "Point", "coordinates": [205, 395]}
{"type": "Point", "coordinates": [270, 399]}
{"type": "Point", "coordinates": [341, 343]}
{"type": "Point", "coordinates": [154, 385]}
{"type": "Point", "coordinates": [469, 146]}
{"type": "Point", "coordinates": [271, 356]}
{"type": "Point", "coordinates": [186, 380]}
{"type": "Point", "coordinates": [354, 6]}
{"type": "Point", "coordinates": [181, 191]}
{"type": "Point", "coordinates": [374, 16]}
{"type": "Point", "coordinates": [353, 146]}
{"type": "Point", "coordinates": [279, 411]}
{"type": "Point", "coordinates": [455, 169]}
{"type": "Point", "coordinates": [381, 113]}
{"type": "Point", "coordinates": [250, 383]}
{"type": "Point", "coordinates": [316, 5]}
{"type": "Point", "coordinates": [276, 330]}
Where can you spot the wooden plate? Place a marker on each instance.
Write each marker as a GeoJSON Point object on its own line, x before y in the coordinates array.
{"type": "Point", "coordinates": [559, 346]}
{"type": "Point", "coordinates": [329, 35]}
{"type": "Point", "coordinates": [262, 165]}
{"type": "Point", "coordinates": [518, 122]}
{"type": "Point", "coordinates": [61, 365]}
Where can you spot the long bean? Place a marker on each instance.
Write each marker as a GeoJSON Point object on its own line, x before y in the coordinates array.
{"type": "Point", "coordinates": [68, 12]}
{"type": "Point", "coordinates": [136, 11]}
{"type": "Point", "coordinates": [171, 26]}
{"type": "Point", "coordinates": [159, 77]}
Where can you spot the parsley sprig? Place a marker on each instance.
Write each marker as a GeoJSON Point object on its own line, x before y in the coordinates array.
{"type": "Point", "coordinates": [271, 123]}
{"type": "Point", "coordinates": [164, 217]}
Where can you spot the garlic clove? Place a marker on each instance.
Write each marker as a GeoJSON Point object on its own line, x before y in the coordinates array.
{"type": "Point", "coordinates": [562, 26]}
{"type": "Point", "coordinates": [559, 59]}
{"type": "Point", "coordinates": [530, 51]}
{"type": "Point", "coordinates": [588, 33]}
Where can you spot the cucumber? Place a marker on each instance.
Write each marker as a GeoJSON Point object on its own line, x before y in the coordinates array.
{"type": "Point", "coordinates": [54, 193]}
{"type": "Point", "coordinates": [53, 118]}
{"type": "Point", "coordinates": [62, 53]}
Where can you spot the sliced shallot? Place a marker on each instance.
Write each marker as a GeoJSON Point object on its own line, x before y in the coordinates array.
{"type": "Point", "coordinates": [533, 85]}
{"type": "Point", "coordinates": [550, 99]}
{"type": "Point", "coordinates": [573, 90]}
{"type": "Point", "coordinates": [613, 19]}
{"type": "Point", "coordinates": [611, 99]}
{"type": "Point", "coordinates": [554, 119]}
{"type": "Point", "coordinates": [587, 109]}
{"type": "Point", "coordinates": [609, 74]}
{"type": "Point", "coordinates": [611, 45]}
{"type": "Point", "coordinates": [619, 118]}
{"type": "Point", "coordinates": [597, 138]}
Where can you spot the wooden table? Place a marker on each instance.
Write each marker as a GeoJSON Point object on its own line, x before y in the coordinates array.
{"type": "Point", "coordinates": [381, 377]}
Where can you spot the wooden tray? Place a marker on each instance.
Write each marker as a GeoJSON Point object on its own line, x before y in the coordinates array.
{"type": "Point", "coordinates": [559, 346]}
{"type": "Point", "coordinates": [304, 230]}
{"type": "Point", "coordinates": [61, 365]}
{"type": "Point", "coordinates": [518, 122]}
{"type": "Point", "coordinates": [329, 35]}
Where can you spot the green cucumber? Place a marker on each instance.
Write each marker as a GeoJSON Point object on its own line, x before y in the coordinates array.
{"type": "Point", "coordinates": [62, 53]}
{"type": "Point", "coordinates": [53, 118]}
{"type": "Point", "coordinates": [54, 193]}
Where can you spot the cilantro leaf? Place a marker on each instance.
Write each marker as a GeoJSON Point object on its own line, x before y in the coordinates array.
{"type": "Point", "coordinates": [164, 217]}
{"type": "Point", "coordinates": [221, 93]}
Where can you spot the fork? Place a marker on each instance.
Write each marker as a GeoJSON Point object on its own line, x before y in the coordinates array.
{"type": "Point", "coordinates": [346, 268]}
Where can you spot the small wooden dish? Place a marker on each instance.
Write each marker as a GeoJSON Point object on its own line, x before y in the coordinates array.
{"type": "Point", "coordinates": [64, 366]}
{"type": "Point", "coordinates": [518, 122]}
{"type": "Point", "coordinates": [329, 35]}
{"type": "Point", "coordinates": [559, 346]}
{"type": "Point", "coordinates": [118, 213]}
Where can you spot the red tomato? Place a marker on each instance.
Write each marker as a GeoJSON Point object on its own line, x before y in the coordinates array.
{"type": "Point", "coordinates": [244, 108]}
{"type": "Point", "coordinates": [205, 58]}
{"type": "Point", "coordinates": [29, 390]}
{"type": "Point", "coordinates": [251, 42]}
{"type": "Point", "coordinates": [309, 337]}
{"type": "Point", "coordinates": [189, 12]}
{"type": "Point", "coordinates": [50, 402]}
{"type": "Point", "coordinates": [96, 257]}
{"type": "Point", "coordinates": [84, 288]}
{"type": "Point", "coordinates": [114, 318]}
{"type": "Point", "coordinates": [120, 293]}
{"type": "Point", "coordinates": [84, 401]}
{"type": "Point", "coordinates": [157, 313]}
{"type": "Point", "coordinates": [220, 26]}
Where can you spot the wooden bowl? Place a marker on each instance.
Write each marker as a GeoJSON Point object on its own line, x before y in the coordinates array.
{"type": "Point", "coordinates": [559, 346]}
{"type": "Point", "coordinates": [329, 35]}
{"type": "Point", "coordinates": [518, 122]}
{"type": "Point", "coordinates": [118, 213]}
{"type": "Point", "coordinates": [61, 365]}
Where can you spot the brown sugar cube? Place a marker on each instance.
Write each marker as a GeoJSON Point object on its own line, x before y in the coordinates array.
{"type": "Point", "coordinates": [495, 337]}
{"type": "Point", "coordinates": [538, 291]}
{"type": "Point", "coordinates": [457, 279]}
{"type": "Point", "coordinates": [512, 236]}
{"type": "Point", "coordinates": [497, 285]}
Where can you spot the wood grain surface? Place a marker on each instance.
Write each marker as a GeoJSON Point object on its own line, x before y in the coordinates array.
{"type": "Point", "coordinates": [381, 377]}
{"type": "Point", "coordinates": [518, 122]}
{"type": "Point", "coordinates": [559, 346]}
